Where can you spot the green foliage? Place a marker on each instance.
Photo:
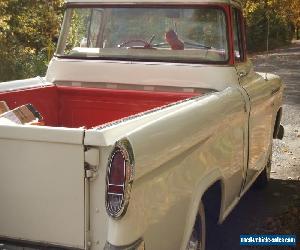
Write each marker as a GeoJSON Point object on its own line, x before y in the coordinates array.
{"type": "Point", "coordinates": [278, 18]}
{"type": "Point", "coordinates": [27, 31]}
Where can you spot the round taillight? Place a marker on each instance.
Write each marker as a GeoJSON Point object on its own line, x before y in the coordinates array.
{"type": "Point", "coordinates": [119, 179]}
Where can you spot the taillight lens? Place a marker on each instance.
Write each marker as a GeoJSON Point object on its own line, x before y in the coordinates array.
{"type": "Point", "coordinates": [119, 178]}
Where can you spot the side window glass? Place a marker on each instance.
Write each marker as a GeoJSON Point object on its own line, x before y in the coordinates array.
{"type": "Point", "coordinates": [237, 35]}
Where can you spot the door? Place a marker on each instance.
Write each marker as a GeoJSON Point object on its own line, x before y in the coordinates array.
{"type": "Point", "coordinates": [261, 105]}
{"type": "Point", "coordinates": [42, 185]}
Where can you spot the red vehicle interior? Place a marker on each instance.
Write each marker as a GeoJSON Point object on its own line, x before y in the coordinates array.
{"type": "Point", "coordinates": [77, 107]}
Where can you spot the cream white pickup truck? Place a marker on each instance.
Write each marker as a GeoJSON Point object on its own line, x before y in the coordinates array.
{"type": "Point", "coordinates": [155, 126]}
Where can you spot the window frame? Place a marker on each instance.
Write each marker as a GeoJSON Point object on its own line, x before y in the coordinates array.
{"type": "Point", "coordinates": [236, 14]}
{"type": "Point", "coordinates": [223, 7]}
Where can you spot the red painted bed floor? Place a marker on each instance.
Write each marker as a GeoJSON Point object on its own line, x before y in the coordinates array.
{"type": "Point", "coordinates": [88, 107]}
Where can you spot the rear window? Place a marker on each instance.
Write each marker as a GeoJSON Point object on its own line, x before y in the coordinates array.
{"type": "Point", "coordinates": [149, 34]}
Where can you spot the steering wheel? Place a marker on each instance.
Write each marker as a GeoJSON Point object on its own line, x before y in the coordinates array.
{"type": "Point", "coordinates": [147, 44]}
{"type": "Point", "coordinates": [122, 45]}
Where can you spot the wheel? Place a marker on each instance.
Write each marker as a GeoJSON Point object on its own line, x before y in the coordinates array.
{"type": "Point", "coordinates": [197, 238]}
{"type": "Point", "coordinates": [264, 178]}
{"type": "Point", "coordinates": [280, 133]}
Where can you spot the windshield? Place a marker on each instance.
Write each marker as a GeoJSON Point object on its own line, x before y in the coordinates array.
{"type": "Point", "coordinates": [146, 34]}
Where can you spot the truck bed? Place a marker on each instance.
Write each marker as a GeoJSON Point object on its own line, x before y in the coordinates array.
{"type": "Point", "coordinates": [73, 107]}
{"type": "Point", "coordinates": [44, 167]}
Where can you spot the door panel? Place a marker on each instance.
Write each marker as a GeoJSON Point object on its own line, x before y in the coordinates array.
{"type": "Point", "coordinates": [260, 123]}
{"type": "Point", "coordinates": [259, 97]}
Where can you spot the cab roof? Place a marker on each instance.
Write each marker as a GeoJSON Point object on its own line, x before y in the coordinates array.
{"type": "Point", "coordinates": [232, 2]}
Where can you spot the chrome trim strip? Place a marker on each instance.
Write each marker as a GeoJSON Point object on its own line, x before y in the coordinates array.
{"type": "Point", "coordinates": [274, 91]}
{"type": "Point", "coordinates": [138, 245]}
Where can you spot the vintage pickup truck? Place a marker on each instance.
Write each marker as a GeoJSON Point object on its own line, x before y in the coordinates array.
{"type": "Point", "coordinates": [155, 126]}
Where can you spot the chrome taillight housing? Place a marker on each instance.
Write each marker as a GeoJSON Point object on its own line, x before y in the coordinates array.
{"type": "Point", "coordinates": [119, 177]}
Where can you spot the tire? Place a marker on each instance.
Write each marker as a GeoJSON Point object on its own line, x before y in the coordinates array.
{"type": "Point", "coordinates": [198, 235]}
{"type": "Point", "coordinates": [280, 133]}
{"type": "Point", "coordinates": [263, 179]}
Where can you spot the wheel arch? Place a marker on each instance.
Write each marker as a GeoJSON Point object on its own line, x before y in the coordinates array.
{"type": "Point", "coordinates": [208, 186]}
{"type": "Point", "coordinates": [212, 201]}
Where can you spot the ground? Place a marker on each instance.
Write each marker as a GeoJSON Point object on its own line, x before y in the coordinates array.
{"type": "Point", "coordinates": [276, 209]}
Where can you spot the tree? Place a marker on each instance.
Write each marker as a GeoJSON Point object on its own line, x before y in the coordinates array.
{"type": "Point", "coordinates": [27, 31]}
{"type": "Point", "coordinates": [294, 15]}
{"type": "Point", "coordinates": [272, 15]}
